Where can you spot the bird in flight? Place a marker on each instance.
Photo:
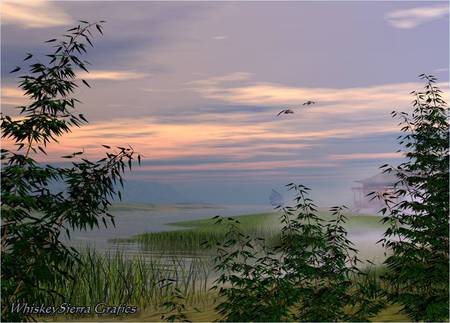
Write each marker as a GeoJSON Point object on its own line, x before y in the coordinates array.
{"type": "Point", "coordinates": [289, 111]}
{"type": "Point", "coordinates": [285, 111]}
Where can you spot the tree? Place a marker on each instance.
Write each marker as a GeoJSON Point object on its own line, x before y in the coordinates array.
{"type": "Point", "coordinates": [34, 213]}
{"type": "Point", "coordinates": [417, 211]}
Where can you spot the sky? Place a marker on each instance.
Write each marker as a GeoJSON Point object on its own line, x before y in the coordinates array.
{"type": "Point", "coordinates": [195, 87]}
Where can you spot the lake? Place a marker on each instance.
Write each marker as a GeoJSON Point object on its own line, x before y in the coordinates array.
{"type": "Point", "coordinates": [134, 219]}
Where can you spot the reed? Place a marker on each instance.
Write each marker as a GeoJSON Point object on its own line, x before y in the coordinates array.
{"type": "Point", "coordinates": [201, 236]}
{"type": "Point", "coordinates": [115, 278]}
{"type": "Point", "coordinates": [190, 236]}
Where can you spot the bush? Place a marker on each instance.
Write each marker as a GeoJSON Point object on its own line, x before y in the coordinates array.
{"type": "Point", "coordinates": [311, 276]}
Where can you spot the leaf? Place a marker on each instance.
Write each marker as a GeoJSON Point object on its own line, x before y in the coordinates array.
{"type": "Point", "coordinates": [15, 69]}
{"type": "Point", "coordinates": [86, 83]}
{"type": "Point", "coordinates": [82, 117]}
{"type": "Point", "coordinates": [51, 40]}
{"type": "Point", "coordinates": [99, 29]}
{"type": "Point", "coordinates": [89, 41]}
{"type": "Point", "coordinates": [42, 149]}
{"type": "Point", "coordinates": [29, 55]}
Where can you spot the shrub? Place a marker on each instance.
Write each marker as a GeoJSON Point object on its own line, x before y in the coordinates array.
{"type": "Point", "coordinates": [311, 276]}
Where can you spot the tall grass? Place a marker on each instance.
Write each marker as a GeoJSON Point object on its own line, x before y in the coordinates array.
{"type": "Point", "coordinates": [192, 242]}
{"type": "Point", "coordinates": [117, 279]}
{"type": "Point", "coordinates": [191, 239]}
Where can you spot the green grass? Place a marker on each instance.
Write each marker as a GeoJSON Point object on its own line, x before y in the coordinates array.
{"type": "Point", "coordinates": [207, 313]}
{"type": "Point", "coordinates": [114, 279]}
{"type": "Point", "coordinates": [191, 235]}
{"type": "Point", "coordinates": [246, 222]}
{"type": "Point", "coordinates": [252, 221]}
{"type": "Point", "coordinates": [146, 283]}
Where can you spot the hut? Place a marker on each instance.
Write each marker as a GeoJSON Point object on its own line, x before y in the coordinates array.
{"type": "Point", "coordinates": [382, 183]}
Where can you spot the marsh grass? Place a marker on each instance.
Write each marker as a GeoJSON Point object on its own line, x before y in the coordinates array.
{"type": "Point", "coordinates": [148, 282]}
{"type": "Point", "coordinates": [190, 236]}
{"type": "Point", "coordinates": [114, 278]}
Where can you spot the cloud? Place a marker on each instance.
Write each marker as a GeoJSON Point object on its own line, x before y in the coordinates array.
{"type": "Point", "coordinates": [13, 96]}
{"type": "Point", "coordinates": [33, 14]}
{"type": "Point", "coordinates": [220, 37]}
{"type": "Point", "coordinates": [112, 75]}
{"type": "Point", "coordinates": [216, 80]}
{"type": "Point", "coordinates": [170, 141]}
{"type": "Point", "coordinates": [413, 17]}
{"type": "Point", "coordinates": [441, 70]}
{"type": "Point", "coordinates": [263, 93]}
{"type": "Point", "coordinates": [12, 92]}
{"type": "Point", "coordinates": [364, 156]}
{"type": "Point", "coordinates": [332, 101]}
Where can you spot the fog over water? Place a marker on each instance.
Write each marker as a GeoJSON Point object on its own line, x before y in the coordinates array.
{"type": "Point", "coordinates": [133, 222]}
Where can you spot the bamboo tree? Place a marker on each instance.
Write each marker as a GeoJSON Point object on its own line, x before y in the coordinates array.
{"type": "Point", "coordinates": [417, 211]}
{"type": "Point", "coordinates": [35, 214]}
{"type": "Point", "coordinates": [311, 276]}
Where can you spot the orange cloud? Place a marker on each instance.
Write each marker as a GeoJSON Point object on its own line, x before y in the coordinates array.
{"type": "Point", "coordinates": [13, 96]}
{"type": "Point", "coordinates": [384, 97]}
{"type": "Point", "coordinates": [33, 13]}
{"type": "Point", "coordinates": [111, 75]}
{"type": "Point", "coordinates": [162, 141]}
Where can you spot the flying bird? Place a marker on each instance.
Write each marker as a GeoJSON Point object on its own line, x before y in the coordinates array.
{"type": "Point", "coordinates": [290, 111]}
{"type": "Point", "coordinates": [285, 111]}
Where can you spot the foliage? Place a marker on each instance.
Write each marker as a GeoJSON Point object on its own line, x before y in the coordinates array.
{"type": "Point", "coordinates": [257, 290]}
{"type": "Point", "coordinates": [175, 308]}
{"type": "Point", "coordinates": [310, 276]}
{"type": "Point", "coordinates": [417, 210]}
{"type": "Point", "coordinates": [34, 212]}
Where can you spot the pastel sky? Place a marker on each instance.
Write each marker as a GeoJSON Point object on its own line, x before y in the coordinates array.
{"type": "Point", "coordinates": [196, 88]}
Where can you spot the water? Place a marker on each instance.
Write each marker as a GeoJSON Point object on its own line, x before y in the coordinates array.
{"type": "Point", "coordinates": [134, 221]}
